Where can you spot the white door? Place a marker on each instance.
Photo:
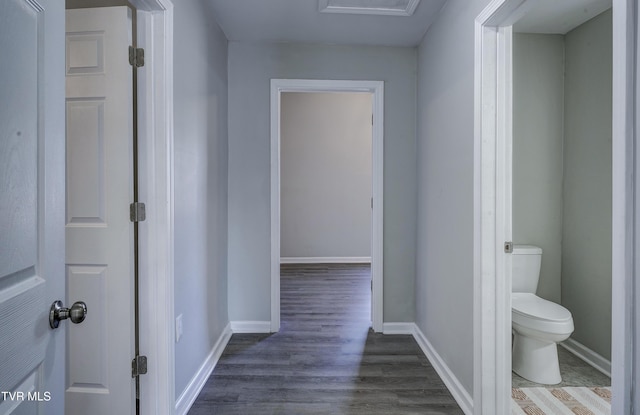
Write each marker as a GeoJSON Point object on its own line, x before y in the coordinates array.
{"type": "Point", "coordinates": [31, 211]}
{"type": "Point", "coordinates": [99, 234]}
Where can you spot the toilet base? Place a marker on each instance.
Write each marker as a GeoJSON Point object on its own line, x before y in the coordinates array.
{"type": "Point", "coordinates": [536, 360]}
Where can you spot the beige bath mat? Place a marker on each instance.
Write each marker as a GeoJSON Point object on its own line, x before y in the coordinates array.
{"type": "Point", "coordinates": [561, 401]}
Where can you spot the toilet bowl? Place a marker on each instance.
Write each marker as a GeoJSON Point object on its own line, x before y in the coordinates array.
{"type": "Point", "coordinates": [538, 324]}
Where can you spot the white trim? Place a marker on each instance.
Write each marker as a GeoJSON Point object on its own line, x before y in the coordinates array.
{"type": "Point", "coordinates": [399, 328]}
{"type": "Point", "coordinates": [156, 190]}
{"type": "Point", "coordinates": [275, 208]}
{"type": "Point", "coordinates": [191, 392]}
{"type": "Point", "coordinates": [306, 85]}
{"type": "Point", "coordinates": [624, 329]}
{"type": "Point", "coordinates": [587, 355]}
{"type": "Point", "coordinates": [460, 394]}
{"type": "Point", "coordinates": [377, 215]}
{"type": "Point", "coordinates": [326, 260]}
{"type": "Point", "coordinates": [492, 212]}
{"type": "Point", "coordinates": [492, 313]}
{"type": "Point", "coordinates": [250, 326]}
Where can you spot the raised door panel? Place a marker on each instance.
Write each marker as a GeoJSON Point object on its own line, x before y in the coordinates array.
{"type": "Point", "coordinates": [85, 163]}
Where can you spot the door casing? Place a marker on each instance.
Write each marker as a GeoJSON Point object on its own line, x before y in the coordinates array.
{"type": "Point", "coordinates": [155, 159]}
{"type": "Point", "coordinates": [376, 88]}
{"type": "Point", "coordinates": [492, 206]}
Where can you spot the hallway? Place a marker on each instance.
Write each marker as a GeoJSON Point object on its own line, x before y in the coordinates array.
{"type": "Point", "coordinates": [324, 360]}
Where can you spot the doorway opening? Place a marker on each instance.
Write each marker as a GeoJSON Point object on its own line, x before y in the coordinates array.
{"type": "Point", "coordinates": [375, 89]}
{"type": "Point", "coordinates": [493, 204]}
{"type": "Point", "coordinates": [325, 188]}
{"type": "Point", "coordinates": [562, 188]}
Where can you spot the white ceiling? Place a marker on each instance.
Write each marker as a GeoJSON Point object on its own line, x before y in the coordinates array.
{"type": "Point", "coordinates": [559, 16]}
{"type": "Point", "coordinates": [300, 21]}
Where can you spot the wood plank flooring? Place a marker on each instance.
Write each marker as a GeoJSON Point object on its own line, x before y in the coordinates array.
{"type": "Point", "coordinates": [325, 359]}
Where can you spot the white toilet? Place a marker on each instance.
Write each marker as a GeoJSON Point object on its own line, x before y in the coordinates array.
{"type": "Point", "coordinates": [538, 325]}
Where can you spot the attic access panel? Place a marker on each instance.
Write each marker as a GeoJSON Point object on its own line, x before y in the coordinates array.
{"type": "Point", "coordinates": [379, 7]}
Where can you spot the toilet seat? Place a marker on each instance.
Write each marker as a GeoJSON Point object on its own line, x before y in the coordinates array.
{"type": "Point", "coordinates": [529, 310]}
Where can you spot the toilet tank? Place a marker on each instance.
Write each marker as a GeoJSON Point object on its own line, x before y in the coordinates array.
{"type": "Point", "coordinates": [525, 268]}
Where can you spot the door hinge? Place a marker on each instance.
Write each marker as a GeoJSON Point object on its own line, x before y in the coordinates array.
{"type": "Point", "coordinates": [136, 57]}
{"type": "Point", "coordinates": [508, 247]}
{"type": "Point", "coordinates": [139, 366]}
{"type": "Point", "coordinates": [137, 212]}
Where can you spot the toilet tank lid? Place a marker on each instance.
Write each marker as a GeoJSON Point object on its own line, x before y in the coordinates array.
{"type": "Point", "coordinates": [527, 250]}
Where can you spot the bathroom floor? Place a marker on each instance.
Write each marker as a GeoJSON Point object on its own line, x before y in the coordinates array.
{"type": "Point", "coordinates": [574, 371]}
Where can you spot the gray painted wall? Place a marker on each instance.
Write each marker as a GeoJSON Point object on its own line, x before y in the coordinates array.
{"type": "Point", "coordinates": [586, 262]}
{"type": "Point", "coordinates": [251, 66]}
{"type": "Point", "coordinates": [325, 175]}
{"type": "Point", "coordinates": [444, 266]}
{"type": "Point", "coordinates": [200, 131]}
{"type": "Point", "coordinates": [538, 131]}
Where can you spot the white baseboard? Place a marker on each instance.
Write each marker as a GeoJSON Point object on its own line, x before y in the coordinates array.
{"type": "Point", "coordinates": [460, 394]}
{"type": "Point", "coordinates": [398, 328]}
{"type": "Point", "coordinates": [251, 326]}
{"type": "Point", "coordinates": [190, 393]}
{"type": "Point", "coordinates": [326, 260]}
{"type": "Point", "coordinates": [583, 352]}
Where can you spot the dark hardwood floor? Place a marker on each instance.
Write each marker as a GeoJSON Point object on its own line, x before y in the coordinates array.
{"type": "Point", "coordinates": [325, 359]}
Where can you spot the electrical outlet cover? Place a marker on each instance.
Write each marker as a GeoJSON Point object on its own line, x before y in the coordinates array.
{"type": "Point", "coordinates": [178, 328]}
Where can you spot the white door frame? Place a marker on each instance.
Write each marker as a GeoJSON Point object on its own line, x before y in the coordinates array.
{"type": "Point", "coordinates": [492, 187]}
{"type": "Point", "coordinates": [278, 86]}
{"type": "Point", "coordinates": [155, 123]}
